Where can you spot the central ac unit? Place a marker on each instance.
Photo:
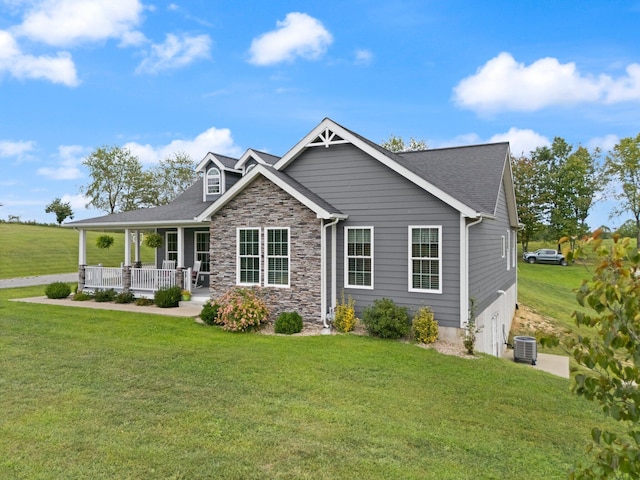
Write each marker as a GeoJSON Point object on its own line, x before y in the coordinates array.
{"type": "Point", "coordinates": [524, 349]}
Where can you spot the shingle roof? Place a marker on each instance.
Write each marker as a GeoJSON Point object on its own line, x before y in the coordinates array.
{"type": "Point", "coordinates": [185, 207]}
{"type": "Point", "coordinates": [472, 174]}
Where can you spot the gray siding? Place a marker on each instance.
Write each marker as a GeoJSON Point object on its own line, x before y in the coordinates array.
{"type": "Point", "coordinates": [189, 248]}
{"type": "Point", "coordinates": [488, 271]}
{"type": "Point", "coordinates": [374, 195]}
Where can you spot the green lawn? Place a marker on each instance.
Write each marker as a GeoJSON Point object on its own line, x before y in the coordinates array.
{"type": "Point", "coordinates": [41, 250]}
{"type": "Point", "coordinates": [98, 394]}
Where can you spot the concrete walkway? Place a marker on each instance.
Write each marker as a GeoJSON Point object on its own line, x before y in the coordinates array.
{"type": "Point", "coordinates": [186, 309]}
{"type": "Point", "coordinates": [554, 364]}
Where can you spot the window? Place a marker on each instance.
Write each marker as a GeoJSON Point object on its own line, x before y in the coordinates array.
{"type": "Point", "coordinates": [503, 245]}
{"type": "Point", "coordinates": [172, 246]}
{"type": "Point", "coordinates": [248, 256]}
{"type": "Point", "coordinates": [277, 240]}
{"type": "Point", "coordinates": [359, 257]}
{"type": "Point", "coordinates": [202, 250]}
{"type": "Point", "coordinates": [425, 261]}
{"type": "Point", "coordinates": [213, 181]}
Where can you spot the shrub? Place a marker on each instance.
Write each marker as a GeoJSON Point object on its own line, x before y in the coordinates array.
{"type": "Point", "coordinates": [168, 297]}
{"type": "Point", "coordinates": [424, 326]}
{"type": "Point", "coordinates": [209, 313]}
{"type": "Point", "coordinates": [385, 319]}
{"type": "Point", "coordinates": [82, 296]}
{"type": "Point", "coordinates": [471, 329]}
{"type": "Point", "coordinates": [288, 323]}
{"type": "Point", "coordinates": [241, 309]}
{"type": "Point", "coordinates": [105, 295]}
{"type": "Point", "coordinates": [125, 297]}
{"type": "Point", "coordinates": [143, 302]}
{"type": "Point", "coordinates": [345, 315]}
{"type": "Point", "coordinates": [57, 290]}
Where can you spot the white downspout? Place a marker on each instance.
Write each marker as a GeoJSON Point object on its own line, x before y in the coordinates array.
{"type": "Point", "coordinates": [323, 270]}
{"type": "Point", "coordinates": [464, 297]}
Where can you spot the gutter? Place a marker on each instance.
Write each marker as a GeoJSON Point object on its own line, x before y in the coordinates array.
{"type": "Point", "coordinates": [464, 277]}
{"type": "Point", "coordinates": [323, 270]}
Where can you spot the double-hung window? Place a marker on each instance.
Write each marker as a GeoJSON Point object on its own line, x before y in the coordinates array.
{"type": "Point", "coordinates": [248, 243]}
{"type": "Point", "coordinates": [202, 250]}
{"type": "Point", "coordinates": [172, 246]}
{"type": "Point", "coordinates": [277, 257]}
{"type": "Point", "coordinates": [425, 259]}
{"type": "Point", "coordinates": [359, 257]}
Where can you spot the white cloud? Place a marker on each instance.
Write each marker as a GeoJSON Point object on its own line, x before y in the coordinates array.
{"type": "Point", "coordinates": [521, 141]}
{"type": "Point", "coordinates": [68, 22]}
{"type": "Point", "coordinates": [71, 157]}
{"type": "Point", "coordinates": [502, 84]}
{"type": "Point", "coordinates": [217, 140]}
{"type": "Point", "coordinates": [9, 148]}
{"type": "Point", "coordinates": [363, 57]}
{"type": "Point", "coordinates": [605, 144]}
{"type": "Point", "coordinates": [77, 202]}
{"type": "Point", "coordinates": [298, 35]}
{"type": "Point", "coordinates": [175, 52]}
{"type": "Point", "coordinates": [57, 69]}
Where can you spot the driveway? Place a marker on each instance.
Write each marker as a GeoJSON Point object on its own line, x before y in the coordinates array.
{"type": "Point", "coordinates": [38, 280]}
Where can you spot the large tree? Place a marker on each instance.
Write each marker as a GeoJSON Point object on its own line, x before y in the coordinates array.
{"type": "Point", "coordinates": [569, 182]}
{"type": "Point", "coordinates": [61, 209]}
{"type": "Point", "coordinates": [527, 181]}
{"type": "Point", "coordinates": [172, 176]}
{"type": "Point", "coordinates": [117, 182]}
{"type": "Point", "coordinates": [622, 168]}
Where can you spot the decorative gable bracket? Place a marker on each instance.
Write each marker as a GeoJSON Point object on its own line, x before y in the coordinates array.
{"type": "Point", "coordinates": [326, 138]}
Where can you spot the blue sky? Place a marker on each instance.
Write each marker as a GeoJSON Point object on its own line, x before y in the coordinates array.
{"type": "Point", "coordinates": [198, 76]}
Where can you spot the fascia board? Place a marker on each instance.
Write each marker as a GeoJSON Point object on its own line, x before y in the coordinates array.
{"type": "Point", "coordinates": [145, 224]}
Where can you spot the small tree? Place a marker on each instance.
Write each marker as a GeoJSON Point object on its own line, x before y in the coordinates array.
{"type": "Point", "coordinates": [610, 356]}
{"type": "Point", "coordinates": [62, 210]}
{"type": "Point", "coordinates": [397, 144]}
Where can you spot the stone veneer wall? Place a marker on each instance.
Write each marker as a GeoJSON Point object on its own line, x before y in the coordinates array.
{"type": "Point", "coordinates": [262, 204]}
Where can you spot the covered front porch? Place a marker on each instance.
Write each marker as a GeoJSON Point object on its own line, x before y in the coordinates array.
{"type": "Point", "coordinates": [182, 261]}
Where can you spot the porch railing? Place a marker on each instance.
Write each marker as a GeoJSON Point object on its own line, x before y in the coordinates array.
{"type": "Point", "coordinates": [143, 279]}
{"type": "Point", "coordinates": [103, 277]}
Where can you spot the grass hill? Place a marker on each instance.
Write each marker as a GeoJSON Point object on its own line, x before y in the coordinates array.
{"type": "Point", "coordinates": [28, 250]}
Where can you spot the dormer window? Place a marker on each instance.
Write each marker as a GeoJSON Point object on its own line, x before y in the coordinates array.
{"type": "Point", "coordinates": [213, 181]}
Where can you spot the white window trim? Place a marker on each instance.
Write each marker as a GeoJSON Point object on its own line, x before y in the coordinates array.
{"type": "Point", "coordinates": [514, 248]}
{"type": "Point", "coordinates": [508, 250]}
{"type": "Point", "coordinates": [346, 257]}
{"type": "Point", "coordinates": [238, 282]}
{"type": "Point", "coordinates": [206, 181]}
{"type": "Point", "coordinates": [502, 246]}
{"type": "Point", "coordinates": [410, 260]}
{"type": "Point", "coordinates": [267, 257]}
{"type": "Point", "coordinates": [166, 243]}
{"type": "Point", "coordinates": [196, 251]}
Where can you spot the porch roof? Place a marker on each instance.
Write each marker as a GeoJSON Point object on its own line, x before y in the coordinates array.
{"type": "Point", "coordinates": [180, 212]}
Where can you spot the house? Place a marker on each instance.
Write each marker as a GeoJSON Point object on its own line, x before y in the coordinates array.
{"type": "Point", "coordinates": [338, 213]}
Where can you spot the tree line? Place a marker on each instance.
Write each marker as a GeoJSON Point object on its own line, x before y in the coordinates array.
{"type": "Point", "coordinates": [557, 186]}
{"type": "Point", "coordinates": [120, 183]}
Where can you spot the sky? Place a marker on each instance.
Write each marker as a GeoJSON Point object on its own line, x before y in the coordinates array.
{"type": "Point", "coordinates": [198, 76]}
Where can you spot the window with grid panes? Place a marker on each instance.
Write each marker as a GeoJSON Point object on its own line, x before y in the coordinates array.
{"type": "Point", "coordinates": [425, 260]}
{"type": "Point", "coordinates": [249, 256]}
{"type": "Point", "coordinates": [202, 250]}
{"type": "Point", "coordinates": [359, 255]}
{"type": "Point", "coordinates": [277, 240]}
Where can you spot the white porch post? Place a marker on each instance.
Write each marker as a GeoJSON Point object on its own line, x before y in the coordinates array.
{"type": "Point", "coordinates": [127, 247]}
{"type": "Point", "coordinates": [82, 247]}
{"type": "Point", "coordinates": [137, 246]}
{"type": "Point", "coordinates": [180, 262]}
